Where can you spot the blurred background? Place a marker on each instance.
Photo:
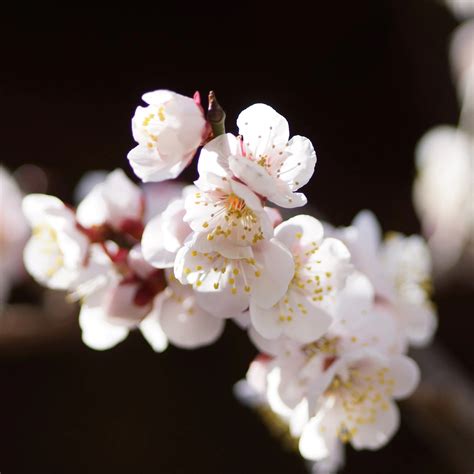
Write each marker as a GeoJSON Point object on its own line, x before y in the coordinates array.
{"type": "Point", "coordinates": [363, 80]}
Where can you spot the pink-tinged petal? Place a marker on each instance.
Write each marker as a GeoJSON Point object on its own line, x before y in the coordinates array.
{"type": "Point", "coordinates": [187, 325]}
{"type": "Point", "coordinates": [406, 375]}
{"type": "Point", "coordinates": [278, 269]}
{"type": "Point", "coordinates": [97, 332]}
{"type": "Point", "coordinates": [262, 127]}
{"type": "Point", "coordinates": [119, 304]}
{"type": "Point", "coordinates": [377, 434]}
{"type": "Point", "coordinates": [297, 169]}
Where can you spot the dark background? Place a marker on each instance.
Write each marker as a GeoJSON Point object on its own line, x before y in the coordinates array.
{"type": "Point", "coordinates": [363, 80]}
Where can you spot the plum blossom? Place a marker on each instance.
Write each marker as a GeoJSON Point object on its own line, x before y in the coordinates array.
{"type": "Point", "coordinates": [321, 267]}
{"type": "Point", "coordinates": [168, 132]}
{"type": "Point", "coordinates": [225, 285]}
{"type": "Point", "coordinates": [166, 233]}
{"type": "Point", "coordinates": [270, 164]}
{"type": "Point", "coordinates": [14, 232]}
{"type": "Point", "coordinates": [339, 388]}
{"type": "Point", "coordinates": [399, 268]}
{"type": "Point", "coordinates": [116, 296]}
{"type": "Point", "coordinates": [232, 215]}
{"type": "Point", "coordinates": [182, 320]}
{"type": "Point", "coordinates": [356, 403]}
{"type": "Point", "coordinates": [56, 252]}
{"type": "Point", "coordinates": [115, 202]}
{"type": "Point", "coordinates": [443, 193]}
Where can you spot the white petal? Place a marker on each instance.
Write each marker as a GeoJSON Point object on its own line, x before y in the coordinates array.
{"type": "Point", "coordinates": [406, 375]}
{"type": "Point", "coordinates": [265, 321]}
{"type": "Point", "coordinates": [153, 245]}
{"type": "Point", "coordinates": [149, 168]}
{"type": "Point", "coordinates": [250, 198]}
{"type": "Point", "coordinates": [262, 127]}
{"type": "Point", "coordinates": [36, 205]}
{"type": "Point", "coordinates": [301, 229]}
{"type": "Point", "coordinates": [187, 325]}
{"type": "Point", "coordinates": [213, 164]}
{"type": "Point", "coordinates": [253, 175]}
{"type": "Point", "coordinates": [315, 443]}
{"type": "Point", "coordinates": [151, 329]}
{"type": "Point", "coordinates": [277, 271]}
{"type": "Point", "coordinates": [97, 333]}
{"type": "Point", "coordinates": [298, 167]}
{"type": "Point", "coordinates": [93, 209]}
{"type": "Point", "coordinates": [223, 304]}
{"type": "Point", "coordinates": [377, 434]}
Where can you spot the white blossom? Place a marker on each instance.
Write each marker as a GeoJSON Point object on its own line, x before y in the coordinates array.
{"type": "Point", "coordinates": [269, 163]}
{"type": "Point", "coordinates": [116, 202]}
{"type": "Point", "coordinates": [56, 251]}
{"type": "Point", "coordinates": [230, 216]}
{"type": "Point", "coordinates": [356, 404]}
{"type": "Point", "coordinates": [182, 320]}
{"type": "Point", "coordinates": [112, 303]}
{"type": "Point", "coordinates": [13, 233]}
{"type": "Point", "coordinates": [166, 233]}
{"type": "Point", "coordinates": [321, 267]}
{"type": "Point", "coordinates": [225, 285]}
{"type": "Point", "coordinates": [168, 132]}
{"type": "Point", "coordinates": [399, 268]}
{"type": "Point", "coordinates": [443, 193]}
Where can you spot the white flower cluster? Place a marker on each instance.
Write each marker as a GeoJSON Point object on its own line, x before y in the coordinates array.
{"type": "Point", "coordinates": [333, 311]}
{"type": "Point", "coordinates": [443, 191]}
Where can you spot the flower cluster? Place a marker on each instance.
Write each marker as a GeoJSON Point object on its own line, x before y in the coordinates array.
{"type": "Point", "coordinates": [443, 189]}
{"type": "Point", "coordinates": [332, 311]}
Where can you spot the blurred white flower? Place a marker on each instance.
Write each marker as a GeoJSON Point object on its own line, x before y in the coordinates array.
{"type": "Point", "coordinates": [225, 285]}
{"type": "Point", "coordinates": [443, 193]}
{"type": "Point", "coordinates": [56, 252]}
{"type": "Point", "coordinates": [14, 232]}
{"type": "Point", "coordinates": [399, 268]}
{"type": "Point", "coordinates": [321, 268]}
{"type": "Point", "coordinates": [116, 201]}
{"type": "Point", "coordinates": [168, 132]}
{"type": "Point", "coordinates": [461, 8]}
{"type": "Point", "coordinates": [462, 59]}
{"type": "Point", "coordinates": [166, 233]}
{"type": "Point", "coordinates": [269, 163]}
{"type": "Point", "coordinates": [116, 298]}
